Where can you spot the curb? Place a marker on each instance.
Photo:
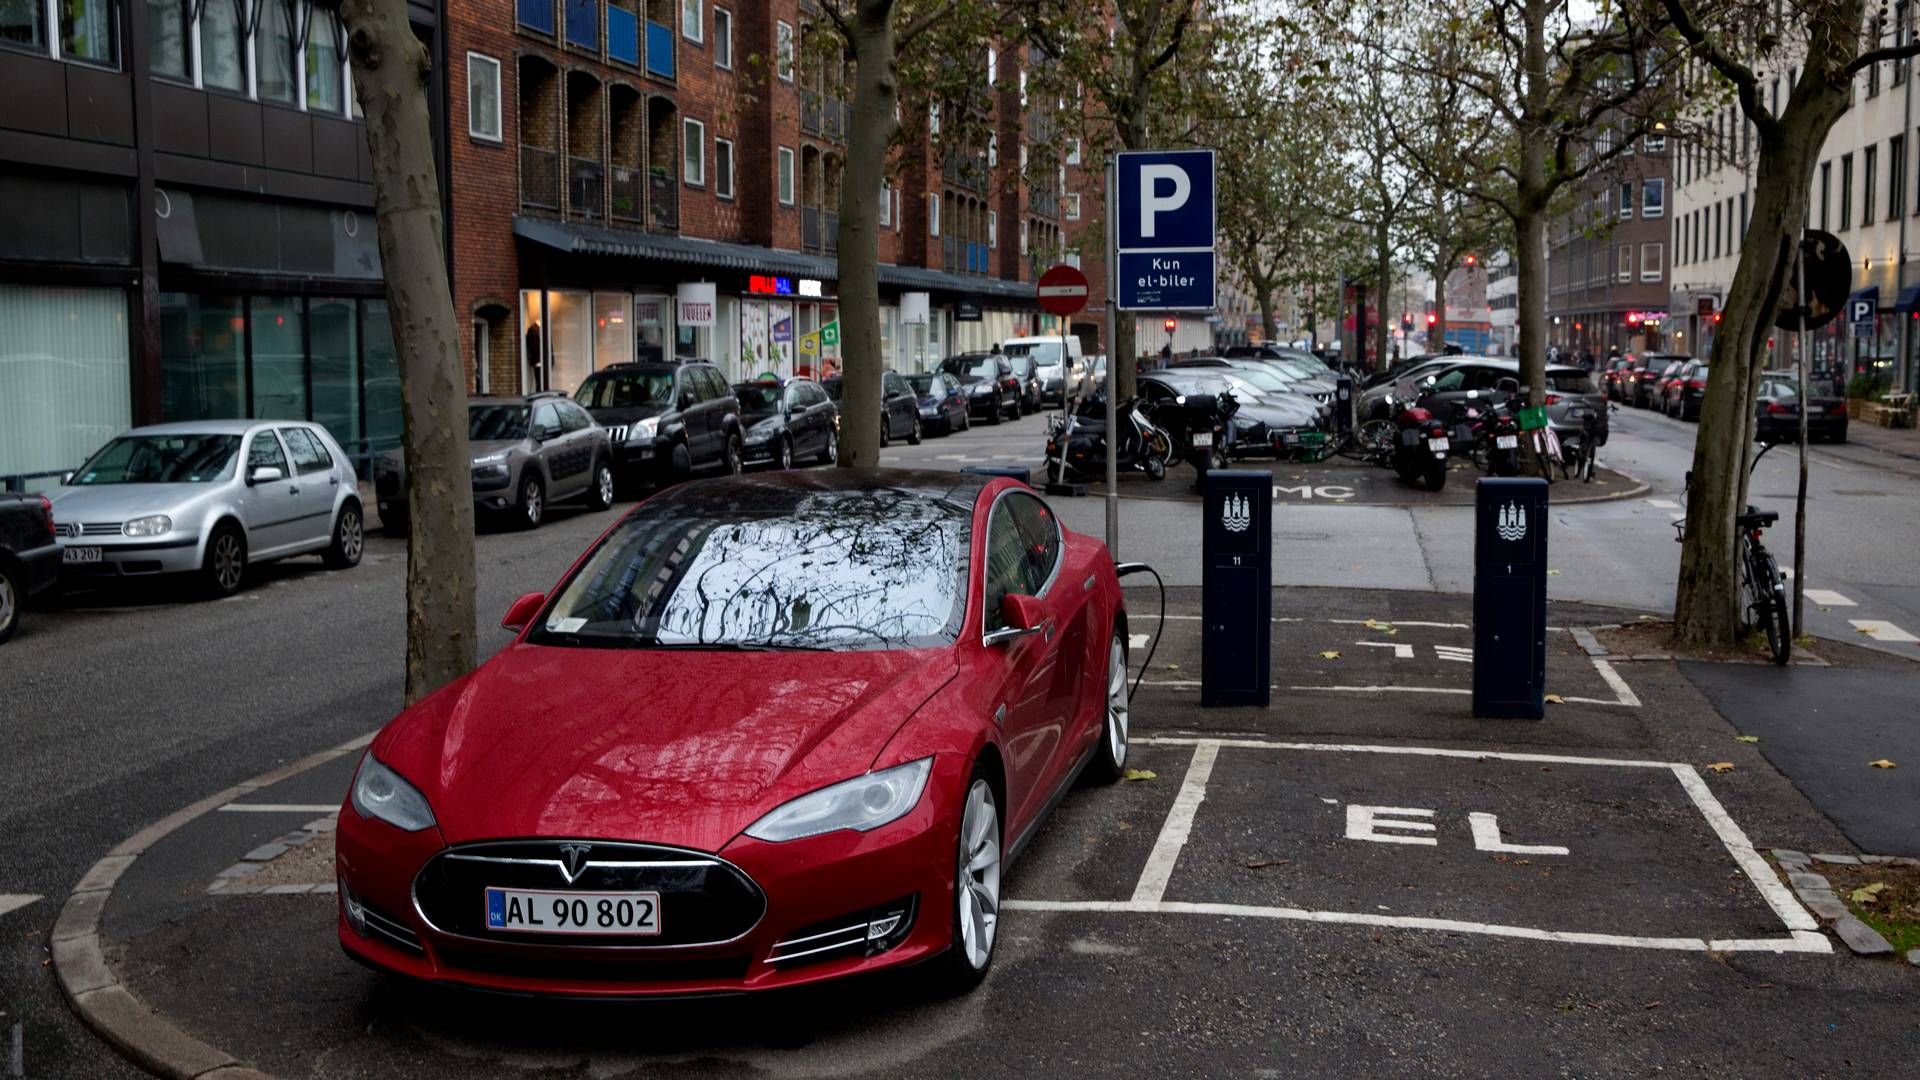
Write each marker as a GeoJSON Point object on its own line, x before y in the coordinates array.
{"type": "Point", "coordinates": [88, 981]}
{"type": "Point", "coordinates": [1641, 487]}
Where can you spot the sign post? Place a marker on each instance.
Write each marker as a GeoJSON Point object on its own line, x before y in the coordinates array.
{"type": "Point", "coordinates": [1063, 291]}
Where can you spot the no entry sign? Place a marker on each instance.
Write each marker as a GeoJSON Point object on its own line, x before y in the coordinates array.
{"type": "Point", "coordinates": [1063, 290]}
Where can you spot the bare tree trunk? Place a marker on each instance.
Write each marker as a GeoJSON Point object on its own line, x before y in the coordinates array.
{"type": "Point", "coordinates": [1264, 292]}
{"type": "Point", "coordinates": [876, 90]}
{"type": "Point", "coordinates": [391, 70]}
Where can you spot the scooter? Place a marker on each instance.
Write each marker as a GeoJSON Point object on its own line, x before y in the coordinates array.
{"type": "Point", "coordinates": [1421, 448]}
{"type": "Point", "coordinates": [1082, 441]}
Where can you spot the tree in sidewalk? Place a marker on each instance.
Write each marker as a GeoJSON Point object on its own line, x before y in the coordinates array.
{"type": "Point", "coordinates": [1830, 43]}
{"type": "Point", "coordinates": [392, 74]}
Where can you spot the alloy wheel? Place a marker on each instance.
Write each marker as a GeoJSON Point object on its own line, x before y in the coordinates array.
{"type": "Point", "coordinates": [353, 535]}
{"type": "Point", "coordinates": [8, 603]}
{"type": "Point", "coordinates": [533, 502]}
{"type": "Point", "coordinates": [1119, 714]}
{"type": "Point", "coordinates": [228, 562]}
{"type": "Point", "coordinates": [606, 486]}
{"type": "Point", "coordinates": [978, 883]}
{"type": "Point", "coordinates": [734, 461]}
{"type": "Point", "coordinates": [786, 454]}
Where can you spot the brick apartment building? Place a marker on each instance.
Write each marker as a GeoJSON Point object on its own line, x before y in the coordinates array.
{"type": "Point", "coordinates": [1607, 260]}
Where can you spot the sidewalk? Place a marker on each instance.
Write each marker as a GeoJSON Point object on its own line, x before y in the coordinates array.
{"type": "Point", "coordinates": [1900, 442]}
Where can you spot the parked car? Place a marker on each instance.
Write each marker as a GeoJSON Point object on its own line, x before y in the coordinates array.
{"type": "Point", "coordinates": [29, 555]}
{"type": "Point", "coordinates": [769, 730]}
{"type": "Point", "coordinates": [993, 392]}
{"type": "Point", "coordinates": [1611, 377]}
{"type": "Point", "coordinates": [1642, 384]}
{"type": "Point", "coordinates": [1570, 396]}
{"type": "Point", "coordinates": [788, 421]}
{"type": "Point", "coordinates": [666, 421]}
{"type": "Point", "coordinates": [1778, 411]}
{"type": "Point", "coordinates": [1061, 372]}
{"type": "Point", "coordinates": [1257, 426]}
{"type": "Point", "coordinates": [528, 453]}
{"type": "Point", "coordinates": [1403, 384]}
{"type": "Point", "coordinates": [1685, 391]}
{"type": "Point", "coordinates": [1268, 372]}
{"type": "Point", "coordinates": [210, 497]}
{"type": "Point", "coordinates": [943, 408]}
{"type": "Point", "coordinates": [1026, 369]}
{"type": "Point", "coordinates": [899, 408]}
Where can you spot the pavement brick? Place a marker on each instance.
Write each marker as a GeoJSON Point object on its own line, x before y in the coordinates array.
{"type": "Point", "coordinates": [1861, 938]}
{"type": "Point", "coordinates": [1809, 883]}
{"type": "Point", "coordinates": [1787, 855]}
{"type": "Point", "coordinates": [265, 853]}
{"type": "Point", "coordinates": [1826, 907]}
{"type": "Point", "coordinates": [1837, 860]}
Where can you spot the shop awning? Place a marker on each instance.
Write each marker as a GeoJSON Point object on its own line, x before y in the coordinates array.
{"type": "Point", "coordinates": [580, 239]}
{"type": "Point", "coordinates": [1909, 299]}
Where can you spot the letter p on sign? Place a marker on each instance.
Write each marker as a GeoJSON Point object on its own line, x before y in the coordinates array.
{"type": "Point", "coordinates": [1152, 202]}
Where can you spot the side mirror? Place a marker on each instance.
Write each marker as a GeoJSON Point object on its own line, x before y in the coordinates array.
{"type": "Point", "coordinates": [686, 399]}
{"type": "Point", "coordinates": [265, 474]}
{"type": "Point", "coordinates": [1023, 614]}
{"type": "Point", "coordinates": [66, 479]}
{"type": "Point", "coordinates": [523, 611]}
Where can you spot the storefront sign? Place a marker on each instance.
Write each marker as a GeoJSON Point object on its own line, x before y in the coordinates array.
{"type": "Point", "coordinates": [913, 309]}
{"type": "Point", "coordinates": [768, 285]}
{"type": "Point", "coordinates": [810, 287]}
{"type": "Point", "coordinates": [966, 311]}
{"type": "Point", "coordinates": [810, 345]}
{"type": "Point", "coordinates": [783, 330]}
{"type": "Point", "coordinates": [1635, 318]}
{"type": "Point", "coordinates": [830, 335]}
{"type": "Point", "coordinates": [696, 303]}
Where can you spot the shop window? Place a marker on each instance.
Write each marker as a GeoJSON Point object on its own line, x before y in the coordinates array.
{"type": "Point", "coordinates": [380, 368]}
{"type": "Point", "coordinates": [570, 318]}
{"type": "Point", "coordinates": [89, 31]}
{"type": "Point", "coordinates": [203, 357]}
{"type": "Point", "coordinates": [324, 74]}
{"type": "Point", "coordinates": [223, 47]}
{"type": "Point", "coordinates": [483, 97]}
{"type": "Point", "coordinates": [533, 342]}
{"type": "Point", "coordinates": [65, 391]}
{"type": "Point", "coordinates": [167, 24]}
{"type": "Point", "coordinates": [278, 339]}
{"type": "Point", "coordinates": [650, 318]}
{"type": "Point", "coordinates": [334, 367]}
{"type": "Point", "coordinates": [612, 329]}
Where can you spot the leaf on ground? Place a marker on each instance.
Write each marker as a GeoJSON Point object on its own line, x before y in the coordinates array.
{"type": "Point", "coordinates": [1556, 699]}
{"type": "Point", "coordinates": [1721, 766]}
{"type": "Point", "coordinates": [1140, 774]}
{"type": "Point", "coordinates": [1259, 863]}
{"type": "Point", "coordinates": [1867, 894]}
{"type": "Point", "coordinates": [1746, 738]}
{"type": "Point", "coordinates": [1376, 624]}
{"type": "Point", "coordinates": [1883, 763]}
{"type": "Point", "coordinates": [1330, 654]}
{"type": "Point", "coordinates": [1173, 667]}
{"type": "Point", "coordinates": [1651, 1005]}
{"type": "Point", "coordinates": [1553, 573]}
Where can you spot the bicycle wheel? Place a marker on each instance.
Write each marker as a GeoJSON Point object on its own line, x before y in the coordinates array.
{"type": "Point", "coordinates": [1375, 437]}
{"type": "Point", "coordinates": [1772, 613]}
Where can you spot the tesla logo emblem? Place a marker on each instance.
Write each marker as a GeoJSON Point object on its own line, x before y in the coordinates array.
{"type": "Point", "coordinates": [1512, 524]}
{"type": "Point", "coordinates": [575, 854]}
{"type": "Point", "coordinates": [1236, 513]}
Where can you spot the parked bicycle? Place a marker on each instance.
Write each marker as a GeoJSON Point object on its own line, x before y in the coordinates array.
{"type": "Point", "coordinates": [1763, 590]}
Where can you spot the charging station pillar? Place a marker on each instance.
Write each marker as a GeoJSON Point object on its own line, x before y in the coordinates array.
{"type": "Point", "coordinates": [1236, 602]}
{"type": "Point", "coordinates": [1510, 598]}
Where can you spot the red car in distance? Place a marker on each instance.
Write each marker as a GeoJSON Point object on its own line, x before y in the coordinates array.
{"type": "Point", "coordinates": [768, 730]}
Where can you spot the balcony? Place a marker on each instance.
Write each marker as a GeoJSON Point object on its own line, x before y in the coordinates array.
{"type": "Point", "coordinates": [586, 187]}
{"type": "Point", "coordinates": [809, 112]}
{"type": "Point", "coordinates": [830, 232]}
{"type": "Point", "coordinates": [664, 200]}
{"type": "Point", "coordinates": [1045, 203]}
{"type": "Point", "coordinates": [834, 115]}
{"type": "Point", "coordinates": [660, 45]}
{"type": "Point", "coordinates": [628, 193]}
{"type": "Point", "coordinates": [623, 35]}
{"type": "Point", "coordinates": [539, 178]}
{"type": "Point", "coordinates": [810, 230]}
{"type": "Point", "coordinates": [966, 171]}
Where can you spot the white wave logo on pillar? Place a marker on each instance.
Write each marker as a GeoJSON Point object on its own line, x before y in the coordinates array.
{"type": "Point", "coordinates": [1236, 513]}
{"type": "Point", "coordinates": [1512, 524]}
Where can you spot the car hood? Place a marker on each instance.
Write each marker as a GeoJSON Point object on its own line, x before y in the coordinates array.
{"type": "Point", "coordinates": [119, 502]}
{"type": "Point", "coordinates": [625, 414]}
{"type": "Point", "coordinates": [674, 747]}
{"type": "Point", "coordinates": [488, 447]}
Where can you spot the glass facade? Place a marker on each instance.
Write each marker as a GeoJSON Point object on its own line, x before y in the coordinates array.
{"type": "Point", "coordinates": [274, 46]}
{"type": "Point", "coordinates": [223, 62]}
{"type": "Point", "coordinates": [612, 329]}
{"type": "Point", "coordinates": [167, 24]}
{"type": "Point", "coordinates": [323, 62]}
{"type": "Point", "coordinates": [203, 356]}
{"type": "Point", "coordinates": [570, 350]}
{"type": "Point", "coordinates": [64, 376]}
{"type": "Point", "coordinates": [278, 332]}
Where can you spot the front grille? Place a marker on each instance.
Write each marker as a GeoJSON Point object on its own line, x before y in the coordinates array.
{"type": "Point", "coordinates": [66, 528]}
{"type": "Point", "coordinates": [88, 528]}
{"type": "Point", "coordinates": [704, 900]}
{"type": "Point", "coordinates": [618, 433]}
{"type": "Point", "coordinates": [859, 933]}
{"type": "Point", "coordinates": [603, 967]}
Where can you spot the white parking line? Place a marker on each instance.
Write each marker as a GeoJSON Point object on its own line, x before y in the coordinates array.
{"type": "Point", "coordinates": [1623, 693]}
{"type": "Point", "coordinates": [1778, 897]}
{"type": "Point", "coordinates": [1138, 641]}
{"type": "Point", "coordinates": [16, 901]}
{"type": "Point", "coordinates": [1173, 835]}
{"type": "Point", "coordinates": [1882, 630]}
{"type": "Point", "coordinates": [281, 808]}
{"type": "Point", "coordinates": [1663, 504]}
{"type": "Point", "coordinates": [1829, 598]}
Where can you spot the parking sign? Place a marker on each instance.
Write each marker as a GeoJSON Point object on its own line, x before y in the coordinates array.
{"type": "Point", "coordinates": [1163, 225]}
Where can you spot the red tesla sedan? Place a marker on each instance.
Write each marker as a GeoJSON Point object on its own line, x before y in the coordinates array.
{"type": "Point", "coordinates": [768, 730]}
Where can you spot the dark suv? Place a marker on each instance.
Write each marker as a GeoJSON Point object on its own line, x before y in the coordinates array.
{"type": "Point", "coordinates": [528, 453]}
{"type": "Point", "coordinates": [667, 420]}
{"type": "Point", "coordinates": [987, 379]}
{"type": "Point", "coordinates": [29, 555]}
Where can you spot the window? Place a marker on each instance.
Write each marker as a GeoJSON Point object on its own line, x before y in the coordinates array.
{"type": "Point", "coordinates": [1652, 256]}
{"type": "Point", "coordinates": [1846, 192]}
{"type": "Point", "coordinates": [993, 229]}
{"type": "Point", "coordinates": [723, 39]}
{"type": "Point", "coordinates": [993, 149]}
{"type": "Point", "coordinates": [933, 119]}
{"type": "Point", "coordinates": [723, 168]}
{"type": "Point", "coordinates": [223, 48]}
{"type": "Point", "coordinates": [933, 214]}
{"type": "Point", "coordinates": [1023, 236]}
{"type": "Point", "coordinates": [886, 203]}
{"type": "Point", "coordinates": [1716, 230]}
{"type": "Point", "coordinates": [693, 150]}
{"type": "Point", "coordinates": [24, 23]}
{"type": "Point", "coordinates": [693, 24]}
{"type": "Point", "coordinates": [1624, 271]}
{"type": "Point", "coordinates": [1826, 190]}
{"type": "Point", "coordinates": [273, 48]}
{"type": "Point", "coordinates": [786, 176]}
{"type": "Point", "coordinates": [167, 24]}
{"type": "Point", "coordinates": [1653, 197]}
{"type": "Point", "coordinates": [89, 30]}
{"type": "Point", "coordinates": [1626, 199]}
{"type": "Point", "coordinates": [993, 67]}
{"type": "Point", "coordinates": [1654, 144]}
{"type": "Point", "coordinates": [1073, 206]}
{"type": "Point", "coordinates": [483, 97]}
{"type": "Point", "coordinates": [323, 61]}
{"type": "Point", "coordinates": [308, 455]}
{"type": "Point", "coordinates": [276, 330]}
{"type": "Point", "coordinates": [783, 51]}
{"type": "Point", "coordinates": [1896, 175]}
{"type": "Point", "coordinates": [1023, 88]}
{"type": "Point", "coordinates": [1743, 216]}
{"type": "Point", "coordinates": [1870, 179]}
{"type": "Point", "coordinates": [264, 453]}
{"type": "Point", "coordinates": [1073, 151]}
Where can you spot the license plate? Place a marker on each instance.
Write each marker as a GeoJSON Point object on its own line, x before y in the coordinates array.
{"type": "Point", "coordinates": [1576, 414]}
{"type": "Point", "coordinates": [1437, 445]}
{"type": "Point", "coordinates": [530, 911]}
{"type": "Point", "coordinates": [80, 555]}
{"type": "Point", "coordinates": [1202, 439]}
{"type": "Point", "coordinates": [1811, 409]}
{"type": "Point", "coordinates": [1506, 442]}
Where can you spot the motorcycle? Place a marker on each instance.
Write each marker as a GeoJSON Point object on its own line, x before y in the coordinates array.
{"type": "Point", "coordinates": [1081, 441]}
{"type": "Point", "coordinates": [1414, 442]}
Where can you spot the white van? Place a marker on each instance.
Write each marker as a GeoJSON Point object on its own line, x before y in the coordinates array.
{"type": "Point", "coordinates": [1055, 381]}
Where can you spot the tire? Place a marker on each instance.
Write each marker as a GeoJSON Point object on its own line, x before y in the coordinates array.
{"type": "Point", "coordinates": [832, 452]}
{"type": "Point", "coordinates": [1768, 604]}
{"type": "Point", "coordinates": [1155, 468]}
{"type": "Point", "coordinates": [1110, 760]}
{"type": "Point", "coordinates": [600, 494]}
{"type": "Point", "coordinates": [224, 567]}
{"type": "Point", "coordinates": [531, 508]}
{"type": "Point", "coordinates": [975, 900]}
{"type": "Point", "coordinates": [395, 522]}
{"type": "Point", "coordinates": [349, 539]}
{"type": "Point", "coordinates": [783, 459]}
{"type": "Point", "coordinates": [886, 431]}
{"type": "Point", "coordinates": [679, 463]}
{"type": "Point", "coordinates": [996, 413]}
{"type": "Point", "coordinates": [914, 433]}
{"type": "Point", "coordinates": [13, 594]}
{"type": "Point", "coordinates": [734, 458]}
{"type": "Point", "coordinates": [1435, 475]}
{"type": "Point", "coordinates": [966, 420]}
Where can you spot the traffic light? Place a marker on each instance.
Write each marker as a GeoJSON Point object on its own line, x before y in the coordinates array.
{"type": "Point", "coordinates": [1472, 259]}
{"type": "Point", "coordinates": [1170, 324]}
{"type": "Point", "coordinates": [1432, 319]}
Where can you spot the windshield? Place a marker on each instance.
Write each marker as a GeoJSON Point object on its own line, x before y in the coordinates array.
{"type": "Point", "coordinates": [492, 423]}
{"type": "Point", "coordinates": [1296, 368]}
{"type": "Point", "coordinates": [866, 570]}
{"type": "Point", "coordinates": [1265, 380]}
{"type": "Point", "coordinates": [1044, 353]}
{"type": "Point", "coordinates": [758, 399]}
{"type": "Point", "coordinates": [1571, 382]}
{"type": "Point", "coordinates": [161, 459]}
{"type": "Point", "coordinates": [832, 387]}
{"type": "Point", "coordinates": [922, 384]}
{"type": "Point", "coordinates": [981, 367]}
{"type": "Point", "coordinates": [625, 389]}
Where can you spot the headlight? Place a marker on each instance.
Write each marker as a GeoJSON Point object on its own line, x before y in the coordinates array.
{"type": "Point", "coordinates": [490, 459]}
{"type": "Point", "coordinates": [157, 525]}
{"type": "Point", "coordinates": [862, 803]}
{"type": "Point", "coordinates": [379, 792]}
{"type": "Point", "coordinates": [645, 429]}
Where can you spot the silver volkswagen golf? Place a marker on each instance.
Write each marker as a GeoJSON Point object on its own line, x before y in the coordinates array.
{"type": "Point", "coordinates": [209, 498]}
